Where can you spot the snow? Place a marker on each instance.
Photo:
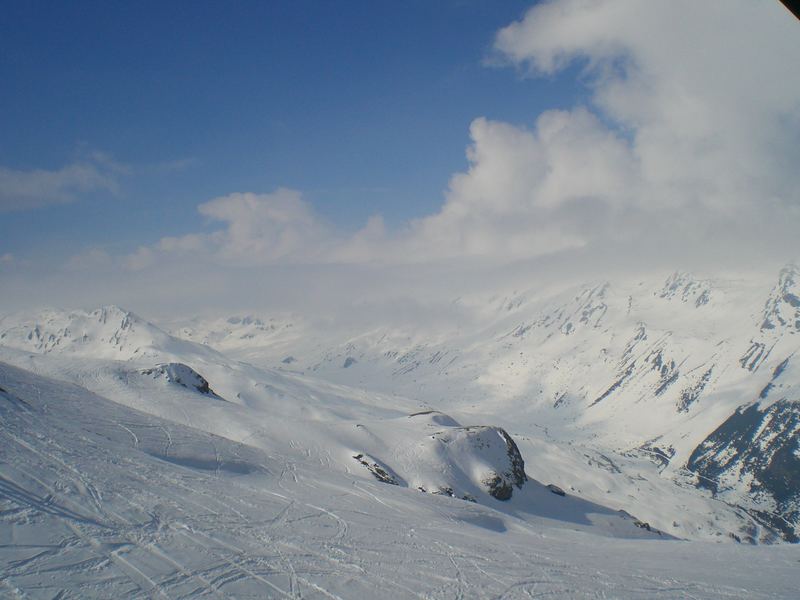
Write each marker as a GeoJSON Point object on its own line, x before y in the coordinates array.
{"type": "Point", "coordinates": [616, 368]}
{"type": "Point", "coordinates": [389, 463]}
{"type": "Point", "coordinates": [100, 500]}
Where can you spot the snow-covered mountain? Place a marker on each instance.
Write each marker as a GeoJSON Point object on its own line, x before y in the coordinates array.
{"type": "Point", "coordinates": [618, 410]}
{"type": "Point", "coordinates": [345, 429]}
{"type": "Point", "coordinates": [656, 369]}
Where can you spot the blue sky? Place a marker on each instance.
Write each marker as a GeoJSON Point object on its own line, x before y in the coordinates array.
{"type": "Point", "coordinates": [364, 106]}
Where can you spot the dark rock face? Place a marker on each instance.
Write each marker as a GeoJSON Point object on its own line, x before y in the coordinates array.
{"type": "Point", "coordinates": [782, 309]}
{"type": "Point", "coordinates": [691, 394]}
{"type": "Point", "coordinates": [349, 362]}
{"type": "Point", "coordinates": [182, 375]}
{"type": "Point", "coordinates": [501, 463]}
{"type": "Point", "coordinates": [501, 484]}
{"type": "Point", "coordinates": [660, 455]}
{"type": "Point", "coordinates": [517, 472]}
{"type": "Point", "coordinates": [687, 289]}
{"type": "Point", "coordinates": [380, 472]}
{"type": "Point", "coordinates": [625, 376]}
{"type": "Point", "coordinates": [758, 448]}
{"type": "Point", "coordinates": [556, 490]}
{"type": "Point", "coordinates": [773, 382]}
{"type": "Point", "coordinates": [499, 488]}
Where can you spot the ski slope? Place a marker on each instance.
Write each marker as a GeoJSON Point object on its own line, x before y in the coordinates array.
{"type": "Point", "coordinates": [102, 500]}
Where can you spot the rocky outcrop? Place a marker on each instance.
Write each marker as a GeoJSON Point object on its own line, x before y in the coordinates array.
{"type": "Point", "coordinates": [489, 452]}
{"type": "Point", "coordinates": [182, 375]}
{"type": "Point", "coordinates": [380, 471]}
{"type": "Point", "coordinates": [782, 308]}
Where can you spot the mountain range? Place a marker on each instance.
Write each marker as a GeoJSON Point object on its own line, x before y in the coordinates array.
{"type": "Point", "coordinates": [647, 410]}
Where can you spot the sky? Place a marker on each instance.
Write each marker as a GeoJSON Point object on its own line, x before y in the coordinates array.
{"type": "Point", "coordinates": [176, 156]}
{"type": "Point", "coordinates": [363, 106]}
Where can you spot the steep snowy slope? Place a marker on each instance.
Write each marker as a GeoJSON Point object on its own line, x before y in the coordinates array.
{"type": "Point", "coordinates": [100, 500]}
{"type": "Point", "coordinates": [649, 369]}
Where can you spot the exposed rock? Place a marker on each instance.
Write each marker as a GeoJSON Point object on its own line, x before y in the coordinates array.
{"type": "Point", "coordinates": [180, 374]}
{"type": "Point", "coordinates": [756, 451]}
{"type": "Point", "coordinates": [490, 449]}
{"type": "Point", "coordinates": [691, 394]}
{"type": "Point", "coordinates": [782, 308]}
{"type": "Point", "coordinates": [381, 472]}
{"type": "Point", "coordinates": [684, 287]}
{"type": "Point", "coordinates": [436, 418]}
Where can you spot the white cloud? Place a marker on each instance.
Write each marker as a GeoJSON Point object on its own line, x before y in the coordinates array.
{"type": "Point", "coordinates": [687, 142]}
{"type": "Point", "coordinates": [705, 89]}
{"type": "Point", "coordinates": [266, 227]}
{"type": "Point", "coordinates": [27, 189]}
{"type": "Point", "coordinates": [143, 258]}
{"type": "Point", "coordinates": [526, 190]}
{"type": "Point", "coordinates": [258, 229]}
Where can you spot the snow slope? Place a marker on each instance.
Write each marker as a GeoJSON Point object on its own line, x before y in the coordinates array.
{"type": "Point", "coordinates": [265, 406]}
{"type": "Point", "coordinates": [101, 500]}
{"type": "Point", "coordinates": [648, 369]}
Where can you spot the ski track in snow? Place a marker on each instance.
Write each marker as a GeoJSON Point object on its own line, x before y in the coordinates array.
{"type": "Point", "coordinates": [91, 506]}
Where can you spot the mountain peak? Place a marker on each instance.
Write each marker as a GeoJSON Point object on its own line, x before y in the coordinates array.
{"type": "Point", "coordinates": [782, 308]}
{"type": "Point", "coordinates": [687, 288]}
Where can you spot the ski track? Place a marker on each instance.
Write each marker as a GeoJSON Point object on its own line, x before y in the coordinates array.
{"type": "Point", "coordinates": [90, 507]}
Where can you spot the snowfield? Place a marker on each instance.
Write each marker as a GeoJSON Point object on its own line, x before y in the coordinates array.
{"type": "Point", "coordinates": [100, 500]}
{"type": "Point", "coordinates": [626, 440]}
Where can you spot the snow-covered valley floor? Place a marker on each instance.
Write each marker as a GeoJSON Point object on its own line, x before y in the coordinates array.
{"type": "Point", "coordinates": [100, 500]}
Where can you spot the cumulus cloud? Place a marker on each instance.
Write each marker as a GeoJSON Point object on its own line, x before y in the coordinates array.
{"type": "Point", "coordinates": [705, 90]}
{"type": "Point", "coordinates": [257, 229]}
{"type": "Point", "coordinates": [28, 189]}
{"type": "Point", "coordinates": [687, 139]}
{"type": "Point", "coordinates": [266, 227]}
{"type": "Point", "coordinates": [528, 191]}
